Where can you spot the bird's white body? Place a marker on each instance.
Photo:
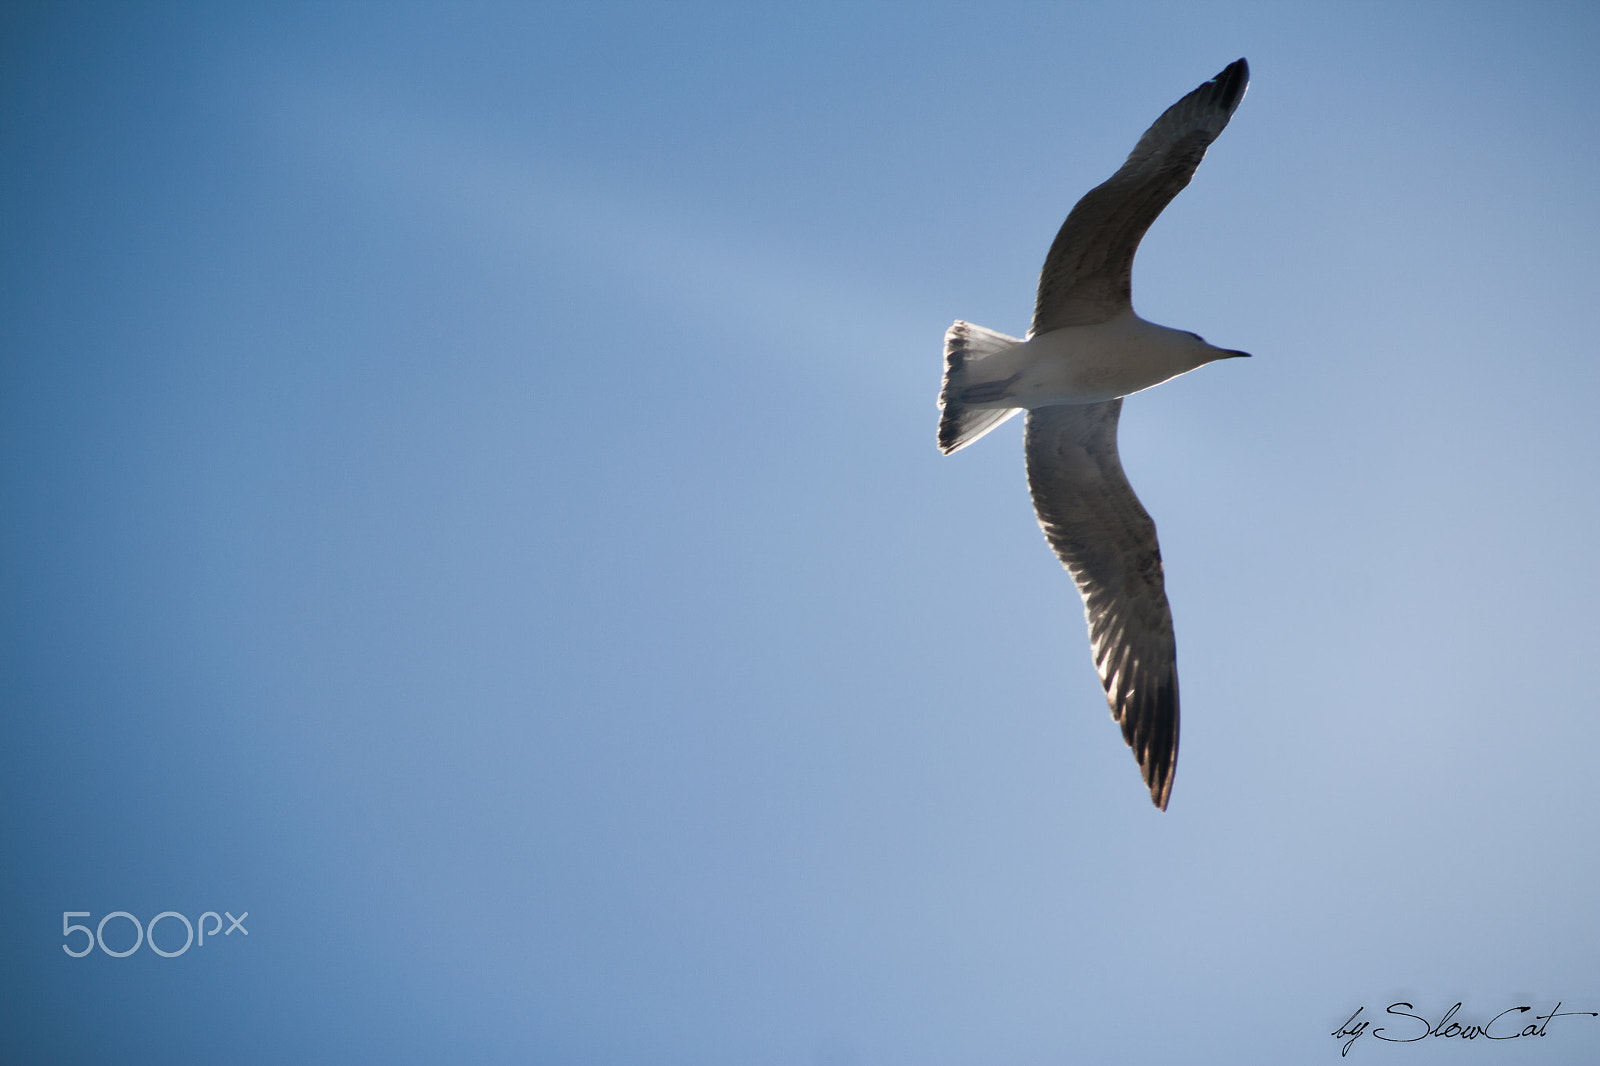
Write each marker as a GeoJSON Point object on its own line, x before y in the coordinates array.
{"type": "Point", "coordinates": [1088, 364]}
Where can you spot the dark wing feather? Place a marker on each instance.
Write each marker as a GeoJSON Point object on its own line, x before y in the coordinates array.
{"type": "Point", "coordinates": [1105, 538]}
{"type": "Point", "coordinates": [1088, 275]}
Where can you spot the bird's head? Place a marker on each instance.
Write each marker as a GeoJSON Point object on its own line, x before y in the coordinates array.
{"type": "Point", "coordinates": [1208, 353]}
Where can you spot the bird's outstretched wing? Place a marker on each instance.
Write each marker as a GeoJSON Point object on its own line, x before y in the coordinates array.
{"type": "Point", "coordinates": [1087, 276]}
{"type": "Point", "coordinates": [1105, 538]}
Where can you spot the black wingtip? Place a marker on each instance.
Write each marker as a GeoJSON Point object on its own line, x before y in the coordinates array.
{"type": "Point", "coordinates": [1150, 727]}
{"type": "Point", "coordinates": [1232, 82]}
{"type": "Point", "coordinates": [1161, 793]}
{"type": "Point", "coordinates": [1158, 778]}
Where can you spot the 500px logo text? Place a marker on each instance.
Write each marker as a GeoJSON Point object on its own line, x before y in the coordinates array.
{"type": "Point", "coordinates": [145, 933]}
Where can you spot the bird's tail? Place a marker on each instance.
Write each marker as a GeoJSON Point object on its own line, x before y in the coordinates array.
{"type": "Point", "coordinates": [965, 346]}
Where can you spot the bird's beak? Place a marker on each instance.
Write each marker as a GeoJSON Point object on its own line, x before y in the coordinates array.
{"type": "Point", "coordinates": [1229, 353]}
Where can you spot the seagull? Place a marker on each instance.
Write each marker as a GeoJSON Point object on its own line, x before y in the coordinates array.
{"type": "Point", "coordinates": [1085, 351]}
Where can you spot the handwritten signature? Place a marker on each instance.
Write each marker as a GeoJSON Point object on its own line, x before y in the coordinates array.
{"type": "Point", "coordinates": [1419, 1028]}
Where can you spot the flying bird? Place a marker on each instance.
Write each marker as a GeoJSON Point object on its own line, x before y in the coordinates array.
{"type": "Point", "coordinates": [1085, 351]}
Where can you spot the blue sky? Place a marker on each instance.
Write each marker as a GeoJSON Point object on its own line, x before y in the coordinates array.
{"type": "Point", "coordinates": [471, 502]}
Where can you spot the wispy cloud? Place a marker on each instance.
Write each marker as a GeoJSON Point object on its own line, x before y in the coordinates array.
{"type": "Point", "coordinates": [648, 250]}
